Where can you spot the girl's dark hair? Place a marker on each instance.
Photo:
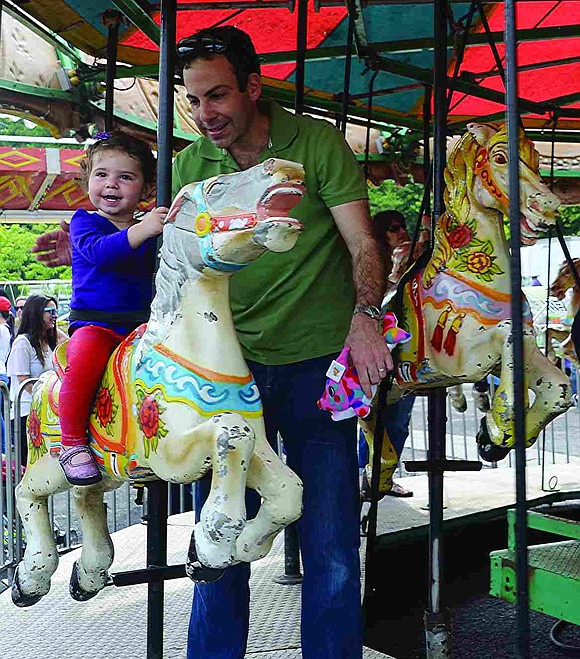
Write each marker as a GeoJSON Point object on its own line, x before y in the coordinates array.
{"type": "Point", "coordinates": [382, 221]}
{"type": "Point", "coordinates": [32, 324]}
{"type": "Point", "coordinates": [132, 146]}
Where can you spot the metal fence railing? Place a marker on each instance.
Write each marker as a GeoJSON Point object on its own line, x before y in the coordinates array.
{"type": "Point", "coordinates": [561, 444]}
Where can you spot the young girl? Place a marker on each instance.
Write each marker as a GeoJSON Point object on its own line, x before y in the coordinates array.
{"type": "Point", "coordinates": [113, 259]}
{"type": "Point", "coordinates": [31, 354]}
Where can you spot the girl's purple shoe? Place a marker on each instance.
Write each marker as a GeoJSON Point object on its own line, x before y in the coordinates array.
{"type": "Point", "coordinates": [79, 466]}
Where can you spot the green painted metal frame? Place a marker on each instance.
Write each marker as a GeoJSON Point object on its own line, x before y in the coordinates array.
{"type": "Point", "coordinates": [139, 18]}
{"type": "Point", "coordinates": [550, 592]}
{"type": "Point", "coordinates": [43, 92]}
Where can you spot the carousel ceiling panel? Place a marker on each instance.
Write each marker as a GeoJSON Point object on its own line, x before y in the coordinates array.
{"type": "Point", "coordinates": [41, 179]}
{"type": "Point", "coordinates": [402, 34]}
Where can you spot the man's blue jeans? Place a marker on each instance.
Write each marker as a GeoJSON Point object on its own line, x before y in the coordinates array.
{"type": "Point", "coordinates": [323, 453]}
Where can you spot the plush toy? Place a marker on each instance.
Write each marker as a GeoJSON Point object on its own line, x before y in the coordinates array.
{"type": "Point", "coordinates": [343, 395]}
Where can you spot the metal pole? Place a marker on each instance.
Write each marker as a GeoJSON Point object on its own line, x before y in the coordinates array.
{"type": "Point", "coordinates": [301, 37]}
{"type": "Point", "coordinates": [436, 625]}
{"type": "Point", "coordinates": [369, 119]}
{"type": "Point", "coordinates": [522, 614]}
{"type": "Point", "coordinates": [157, 490]}
{"type": "Point", "coordinates": [291, 542]}
{"type": "Point", "coordinates": [347, 69]}
{"type": "Point", "coordinates": [111, 20]}
{"type": "Point", "coordinates": [156, 557]}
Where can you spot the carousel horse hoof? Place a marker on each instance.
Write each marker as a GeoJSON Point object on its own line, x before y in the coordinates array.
{"type": "Point", "coordinates": [487, 450]}
{"type": "Point", "coordinates": [77, 592]}
{"type": "Point", "coordinates": [195, 569]}
{"type": "Point", "coordinates": [459, 403]}
{"type": "Point", "coordinates": [18, 597]}
{"type": "Point", "coordinates": [481, 402]}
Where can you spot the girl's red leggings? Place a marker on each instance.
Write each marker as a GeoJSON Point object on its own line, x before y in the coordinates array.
{"type": "Point", "coordinates": [88, 353]}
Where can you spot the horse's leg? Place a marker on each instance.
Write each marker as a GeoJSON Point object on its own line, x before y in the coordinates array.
{"type": "Point", "coordinates": [552, 389]}
{"type": "Point", "coordinates": [480, 394]}
{"type": "Point", "coordinates": [281, 492]}
{"type": "Point", "coordinates": [34, 572]}
{"type": "Point", "coordinates": [224, 444]}
{"type": "Point", "coordinates": [496, 434]}
{"type": "Point", "coordinates": [457, 397]}
{"type": "Point", "coordinates": [223, 515]}
{"type": "Point", "coordinates": [389, 457]}
{"type": "Point", "coordinates": [90, 572]}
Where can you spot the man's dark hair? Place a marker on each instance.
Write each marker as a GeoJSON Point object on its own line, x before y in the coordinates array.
{"type": "Point", "coordinates": [234, 44]}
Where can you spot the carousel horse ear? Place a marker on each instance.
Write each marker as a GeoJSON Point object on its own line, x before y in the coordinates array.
{"type": "Point", "coordinates": [482, 132]}
{"type": "Point", "coordinates": [269, 165]}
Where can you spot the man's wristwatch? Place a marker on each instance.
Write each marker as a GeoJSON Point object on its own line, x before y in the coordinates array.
{"type": "Point", "coordinates": [369, 310]}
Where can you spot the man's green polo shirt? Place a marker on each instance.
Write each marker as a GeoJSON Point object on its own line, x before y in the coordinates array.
{"type": "Point", "coordinates": [297, 305]}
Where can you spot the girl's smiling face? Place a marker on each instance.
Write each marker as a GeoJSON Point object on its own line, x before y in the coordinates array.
{"type": "Point", "coordinates": [116, 185]}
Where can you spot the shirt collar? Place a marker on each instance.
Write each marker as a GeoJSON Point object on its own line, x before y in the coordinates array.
{"type": "Point", "coordinates": [283, 130]}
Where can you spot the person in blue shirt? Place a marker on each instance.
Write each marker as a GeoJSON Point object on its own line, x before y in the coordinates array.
{"type": "Point", "coordinates": [113, 260]}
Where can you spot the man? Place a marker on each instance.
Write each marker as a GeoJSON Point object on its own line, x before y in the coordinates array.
{"type": "Point", "coordinates": [292, 316]}
{"type": "Point", "coordinates": [19, 303]}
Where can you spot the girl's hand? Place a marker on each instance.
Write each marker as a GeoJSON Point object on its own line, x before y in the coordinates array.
{"type": "Point", "coordinates": [151, 225]}
{"type": "Point", "coordinates": [155, 220]}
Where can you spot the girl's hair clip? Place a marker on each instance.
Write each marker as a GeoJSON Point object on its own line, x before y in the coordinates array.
{"type": "Point", "coordinates": [102, 135]}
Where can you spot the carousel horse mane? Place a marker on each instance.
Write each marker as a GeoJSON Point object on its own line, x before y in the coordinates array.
{"type": "Point", "coordinates": [176, 267]}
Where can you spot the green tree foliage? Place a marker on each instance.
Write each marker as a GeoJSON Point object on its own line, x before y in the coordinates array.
{"type": "Point", "coordinates": [390, 196]}
{"type": "Point", "coordinates": [16, 260]}
{"type": "Point", "coordinates": [407, 199]}
{"type": "Point", "coordinates": [19, 127]}
{"type": "Point", "coordinates": [570, 218]}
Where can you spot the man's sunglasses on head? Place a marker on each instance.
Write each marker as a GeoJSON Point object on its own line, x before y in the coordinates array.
{"type": "Point", "coordinates": [201, 44]}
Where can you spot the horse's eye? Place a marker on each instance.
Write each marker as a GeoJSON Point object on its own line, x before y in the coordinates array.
{"type": "Point", "coordinates": [331, 391]}
{"type": "Point", "coordinates": [500, 159]}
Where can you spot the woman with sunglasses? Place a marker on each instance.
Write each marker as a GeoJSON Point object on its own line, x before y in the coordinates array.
{"type": "Point", "coordinates": [31, 355]}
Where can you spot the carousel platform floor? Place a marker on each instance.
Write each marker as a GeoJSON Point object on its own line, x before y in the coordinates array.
{"type": "Point", "coordinates": [113, 625]}
{"type": "Point", "coordinates": [474, 496]}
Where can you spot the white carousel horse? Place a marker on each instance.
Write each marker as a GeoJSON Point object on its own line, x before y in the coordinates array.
{"type": "Point", "coordinates": [177, 399]}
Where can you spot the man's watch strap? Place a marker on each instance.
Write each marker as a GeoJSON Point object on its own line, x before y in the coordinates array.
{"type": "Point", "coordinates": [369, 310]}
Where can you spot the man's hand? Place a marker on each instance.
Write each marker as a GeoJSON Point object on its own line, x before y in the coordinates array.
{"type": "Point", "coordinates": [53, 248]}
{"type": "Point", "coordinates": [368, 351]}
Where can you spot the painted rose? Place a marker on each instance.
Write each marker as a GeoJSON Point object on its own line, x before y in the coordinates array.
{"type": "Point", "coordinates": [34, 434]}
{"type": "Point", "coordinates": [460, 236]}
{"type": "Point", "coordinates": [104, 405]}
{"type": "Point", "coordinates": [149, 417]}
{"type": "Point", "coordinates": [479, 262]}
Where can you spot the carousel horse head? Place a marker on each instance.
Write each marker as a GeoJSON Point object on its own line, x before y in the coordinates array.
{"type": "Point", "coordinates": [238, 217]}
{"type": "Point", "coordinates": [564, 280]}
{"type": "Point", "coordinates": [477, 173]}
